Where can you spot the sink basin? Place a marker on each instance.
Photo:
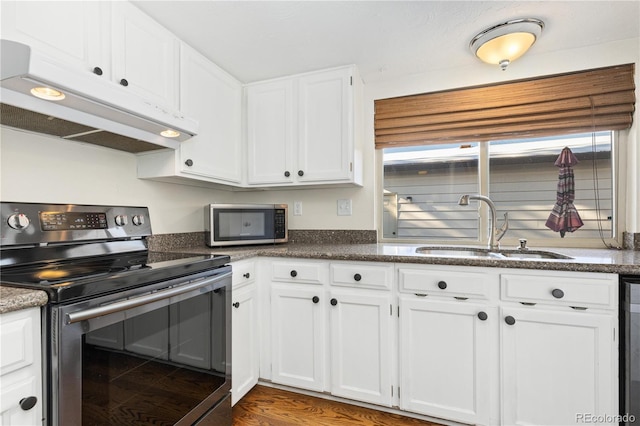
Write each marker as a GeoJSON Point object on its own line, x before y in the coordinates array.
{"type": "Point", "coordinates": [474, 252]}
{"type": "Point", "coordinates": [455, 252]}
{"type": "Point", "coordinates": [532, 254]}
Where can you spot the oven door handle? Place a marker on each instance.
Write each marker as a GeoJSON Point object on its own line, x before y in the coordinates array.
{"type": "Point", "coordinates": [139, 301]}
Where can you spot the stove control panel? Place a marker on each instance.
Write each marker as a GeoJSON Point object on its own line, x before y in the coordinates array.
{"type": "Point", "coordinates": [33, 223]}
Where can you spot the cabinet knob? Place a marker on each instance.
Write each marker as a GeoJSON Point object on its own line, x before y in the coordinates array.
{"type": "Point", "coordinates": [247, 275]}
{"type": "Point", "coordinates": [124, 82]}
{"type": "Point", "coordinates": [28, 403]}
{"type": "Point", "coordinates": [357, 277]}
{"type": "Point", "coordinates": [287, 174]}
{"type": "Point", "coordinates": [442, 285]}
{"type": "Point", "coordinates": [189, 162]}
{"type": "Point", "coordinates": [300, 173]}
{"type": "Point", "coordinates": [334, 302]}
{"type": "Point", "coordinates": [557, 293]}
{"type": "Point", "coordinates": [294, 273]}
{"type": "Point", "coordinates": [510, 320]}
{"type": "Point", "coordinates": [97, 71]}
{"type": "Point", "coordinates": [315, 299]}
{"type": "Point", "coordinates": [236, 305]}
{"type": "Point", "coordinates": [482, 316]}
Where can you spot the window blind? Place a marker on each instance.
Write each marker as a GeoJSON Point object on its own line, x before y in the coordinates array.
{"type": "Point", "coordinates": [577, 102]}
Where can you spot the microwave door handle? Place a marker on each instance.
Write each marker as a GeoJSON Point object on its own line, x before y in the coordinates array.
{"type": "Point", "coordinates": [138, 301]}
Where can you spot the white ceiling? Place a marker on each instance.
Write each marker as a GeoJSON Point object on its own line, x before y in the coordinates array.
{"type": "Point", "coordinates": [257, 40]}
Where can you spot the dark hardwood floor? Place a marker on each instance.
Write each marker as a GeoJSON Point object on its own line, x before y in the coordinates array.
{"type": "Point", "coordinates": [265, 406]}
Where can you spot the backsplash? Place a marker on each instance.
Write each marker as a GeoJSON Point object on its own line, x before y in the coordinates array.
{"type": "Point", "coordinates": [631, 240]}
{"type": "Point", "coordinates": [169, 242]}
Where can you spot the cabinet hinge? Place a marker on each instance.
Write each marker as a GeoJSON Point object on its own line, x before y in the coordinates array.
{"type": "Point", "coordinates": [351, 81]}
{"type": "Point", "coordinates": [350, 167]}
{"type": "Point", "coordinates": [391, 309]}
{"type": "Point", "coordinates": [392, 391]}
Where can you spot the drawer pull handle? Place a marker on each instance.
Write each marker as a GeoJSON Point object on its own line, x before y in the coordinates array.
{"type": "Point", "coordinates": [420, 294]}
{"type": "Point", "coordinates": [510, 320]}
{"type": "Point", "coordinates": [334, 302]}
{"type": "Point", "coordinates": [28, 403]}
{"type": "Point", "coordinates": [294, 273]}
{"type": "Point", "coordinates": [236, 305]}
{"type": "Point", "coordinates": [460, 298]}
{"type": "Point", "coordinates": [357, 277]}
{"type": "Point", "coordinates": [247, 275]}
{"type": "Point", "coordinates": [482, 316]}
{"type": "Point", "coordinates": [528, 303]}
{"type": "Point", "coordinates": [557, 293]}
{"type": "Point", "coordinates": [442, 285]}
{"type": "Point", "coordinates": [315, 299]}
{"type": "Point", "coordinates": [579, 308]}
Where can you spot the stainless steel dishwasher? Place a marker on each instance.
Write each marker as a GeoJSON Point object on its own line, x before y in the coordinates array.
{"type": "Point", "coordinates": [630, 349]}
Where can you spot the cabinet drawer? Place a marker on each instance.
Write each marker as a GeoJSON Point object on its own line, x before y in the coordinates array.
{"type": "Point", "coordinates": [243, 273]}
{"type": "Point", "coordinates": [441, 282]}
{"type": "Point", "coordinates": [300, 272]}
{"type": "Point", "coordinates": [362, 275]}
{"type": "Point", "coordinates": [577, 291]}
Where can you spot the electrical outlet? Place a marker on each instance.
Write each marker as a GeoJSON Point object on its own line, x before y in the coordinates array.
{"type": "Point", "coordinates": [297, 208]}
{"type": "Point", "coordinates": [344, 207]}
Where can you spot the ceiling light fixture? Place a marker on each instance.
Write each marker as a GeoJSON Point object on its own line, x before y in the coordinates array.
{"type": "Point", "coordinates": [506, 42]}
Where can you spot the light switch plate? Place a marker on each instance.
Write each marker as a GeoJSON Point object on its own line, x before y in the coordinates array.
{"type": "Point", "coordinates": [297, 208]}
{"type": "Point", "coordinates": [344, 207]}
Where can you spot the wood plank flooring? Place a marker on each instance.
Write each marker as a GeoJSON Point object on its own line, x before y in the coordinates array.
{"type": "Point", "coordinates": [264, 406]}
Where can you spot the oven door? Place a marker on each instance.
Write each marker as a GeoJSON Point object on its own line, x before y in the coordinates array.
{"type": "Point", "coordinates": [158, 356]}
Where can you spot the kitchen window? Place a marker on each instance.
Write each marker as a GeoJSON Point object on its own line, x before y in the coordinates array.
{"type": "Point", "coordinates": [422, 186]}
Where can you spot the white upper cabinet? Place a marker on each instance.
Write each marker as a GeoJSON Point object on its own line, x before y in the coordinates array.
{"type": "Point", "coordinates": [72, 32]}
{"type": "Point", "coordinates": [145, 55]}
{"type": "Point", "coordinates": [114, 40]}
{"type": "Point", "coordinates": [302, 130]}
{"type": "Point", "coordinates": [214, 98]}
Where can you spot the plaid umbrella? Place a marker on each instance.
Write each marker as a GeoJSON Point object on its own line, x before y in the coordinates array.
{"type": "Point", "coordinates": [564, 217]}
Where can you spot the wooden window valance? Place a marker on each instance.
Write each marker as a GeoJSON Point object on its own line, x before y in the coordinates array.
{"type": "Point", "coordinates": [578, 102]}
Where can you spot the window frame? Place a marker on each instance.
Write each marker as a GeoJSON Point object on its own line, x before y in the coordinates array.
{"type": "Point", "coordinates": [618, 153]}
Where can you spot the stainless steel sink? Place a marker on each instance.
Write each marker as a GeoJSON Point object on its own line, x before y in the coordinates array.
{"type": "Point", "coordinates": [474, 252]}
{"type": "Point", "coordinates": [455, 252]}
{"type": "Point", "coordinates": [532, 254]}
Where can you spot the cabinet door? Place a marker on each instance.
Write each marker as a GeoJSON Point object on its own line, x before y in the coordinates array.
{"type": "Point", "coordinates": [557, 366]}
{"type": "Point", "coordinates": [214, 98]}
{"type": "Point", "coordinates": [78, 36]}
{"type": "Point", "coordinates": [245, 358]}
{"type": "Point", "coordinates": [145, 54]}
{"type": "Point", "coordinates": [298, 336]}
{"type": "Point", "coordinates": [445, 358]}
{"type": "Point", "coordinates": [361, 345]}
{"type": "Point", "coordinates": [270, 119]}
{"type": "Point", "coordinates": [325, 126]}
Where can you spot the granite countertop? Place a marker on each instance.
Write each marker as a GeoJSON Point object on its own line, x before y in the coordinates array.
{"type": "Point", "coordinates": [13, 299]}
{"type": "Point", "coordinates": [583, 260]}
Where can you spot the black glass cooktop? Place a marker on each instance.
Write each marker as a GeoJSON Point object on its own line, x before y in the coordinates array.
{"type": "Point", "coordinates": [78, 278]}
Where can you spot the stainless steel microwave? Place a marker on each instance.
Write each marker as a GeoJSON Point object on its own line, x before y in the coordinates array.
{"type": "Point", "coordinates": [240, 224]}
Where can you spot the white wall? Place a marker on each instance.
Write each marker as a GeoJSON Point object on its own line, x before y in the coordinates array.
{"type": "Point", "coordinates": [44, 169]}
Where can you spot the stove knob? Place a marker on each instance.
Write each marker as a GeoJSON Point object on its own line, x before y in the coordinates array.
{"type": "Point", "coordinates": [138, 220]}
{"type": "Point", "coordinates": [18, 221]}
{"type": "Point", "coordinates": [122, 220]}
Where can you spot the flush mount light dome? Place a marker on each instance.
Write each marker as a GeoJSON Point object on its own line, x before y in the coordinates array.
{"type": "Point", "coordinates": [170, 133]}
{"type": "Point", "coordinates": [47, 93]}
{"type": "Point", "coordinates": [506, 42]}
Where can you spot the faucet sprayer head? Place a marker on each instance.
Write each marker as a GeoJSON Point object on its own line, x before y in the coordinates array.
{"type": "Point", "coordinates": [464, 200]}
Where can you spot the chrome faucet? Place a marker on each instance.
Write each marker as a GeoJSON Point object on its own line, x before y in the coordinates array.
{"type": "Point", "coordinates": [495, 234]}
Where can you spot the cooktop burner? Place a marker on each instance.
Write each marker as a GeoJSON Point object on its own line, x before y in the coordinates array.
{"type": "Point", "coordinates": [77, 278]}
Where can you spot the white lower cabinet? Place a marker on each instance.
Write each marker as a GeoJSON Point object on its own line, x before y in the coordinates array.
{"type": "Point", "coordinates": [20, 368]}
{"type": "Point", "coordinates": [245, 359]}
{"type": "Point", "coordinates": [445, 358]}
{"type": "Point", "coordinates": [559, 348]}
{"type": "Point", "coordinates": [360, 343]}
{"type": "Point", "coordinates": [298, 335]}
{"type": "Point", "coordinates": [483, 346]}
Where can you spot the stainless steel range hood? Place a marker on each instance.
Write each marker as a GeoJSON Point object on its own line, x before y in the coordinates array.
{"type": "Point", "coordinates": [94, 110]}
